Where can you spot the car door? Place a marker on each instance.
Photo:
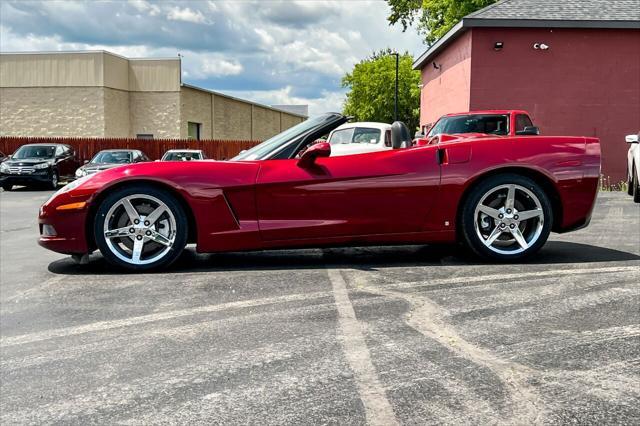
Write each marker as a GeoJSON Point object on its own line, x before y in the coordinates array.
{"type": "Point", "coordinates": [363, 194]}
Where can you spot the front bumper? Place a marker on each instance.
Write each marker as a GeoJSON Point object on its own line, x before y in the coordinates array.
{"type": "Point", "coordinates": [66, 229]}
{"type": "Point", "coordinates": [26, 180]}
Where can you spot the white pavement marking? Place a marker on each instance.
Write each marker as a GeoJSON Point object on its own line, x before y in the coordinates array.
{"type": "Point", "coordinates": [507, 277]}
{"type": "Point", "coordinates": [428, 318]}
{"type": "Point", "coordinates": [160, 316]}
{"type": "Point", "coordinates": [377, 407]}
{"type": "Point", "coordinates": [33, 290]}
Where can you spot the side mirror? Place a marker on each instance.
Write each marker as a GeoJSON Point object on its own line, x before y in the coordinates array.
{"type": "Point", "coordinates": [631, 138]}
{"type": "Point", "coordinates": [529, 130]}
{"type": "Point", "coordinates": [321, 149]}
{"type": "Point", "coordinates": [85, 161]}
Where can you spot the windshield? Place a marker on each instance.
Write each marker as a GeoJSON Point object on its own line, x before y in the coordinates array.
{"type": "Point", "coordinates": [472, 123]}
{"type": "Point", "coordinates": [266, 148]}
{"type": "Point", "coordinates": [112, 157]}
{"type": "Point", "coordinates": [34, 151]}
{"type": "Point", "coordinates": [355, 135]}
{"type": "Point", "coordinates": [181, 156]}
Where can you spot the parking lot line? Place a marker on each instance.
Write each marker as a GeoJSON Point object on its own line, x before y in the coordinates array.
{"type": "Point", "coordinates": [160, 316]}
{"type": "Point", "coordinates": [372, 394]}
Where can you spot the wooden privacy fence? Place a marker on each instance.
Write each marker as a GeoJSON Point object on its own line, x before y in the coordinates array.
{"type": "Point", "coordinates": [86, 148]}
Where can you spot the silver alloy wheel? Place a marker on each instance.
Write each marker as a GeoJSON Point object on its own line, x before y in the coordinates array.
{"type": "Point", "coordinates": [509, 219]}
{"type": "Point", "coordinates": [54, 180]}
{"type": "Point", "coordinates": [139, 229]}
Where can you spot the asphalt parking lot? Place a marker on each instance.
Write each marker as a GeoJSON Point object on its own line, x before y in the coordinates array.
{"type": "Point", "coordinates": [396, 335]}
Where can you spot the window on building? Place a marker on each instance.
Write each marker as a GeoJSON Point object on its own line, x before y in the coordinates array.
{"type": "Point", "coordinates": [193, 130]}
{"type": "Point", "coordinates": [144, 136]}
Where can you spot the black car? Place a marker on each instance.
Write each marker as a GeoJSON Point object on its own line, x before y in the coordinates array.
{"type": "Point", "coordinates": [109, 158]}
{"type": "Point", "coordinates": [38, 164]}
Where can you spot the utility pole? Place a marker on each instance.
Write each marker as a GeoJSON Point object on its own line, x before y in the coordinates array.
{"type": "Point", "coordinates": [395, 103]}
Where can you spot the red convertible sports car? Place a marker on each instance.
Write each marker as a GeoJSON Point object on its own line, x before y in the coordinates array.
{"type": "Point", "coordinates": [499, 195]}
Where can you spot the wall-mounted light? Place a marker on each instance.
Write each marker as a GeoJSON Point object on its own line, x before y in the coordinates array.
{"type": "Point", "coordinates": [437, 66]}
{"type": "Point", "coordinates": [498, 45]}
{"type": "Point", "coordinates": [540, 46]}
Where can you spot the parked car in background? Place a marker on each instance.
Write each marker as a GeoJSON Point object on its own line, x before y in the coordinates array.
{"type": "Point", "coordinates": [3, 157]}
{"type": "Point", "coordinates": [633, 167]}
{"type": "Point", "coordinates": [38, 164]}
{"type": "Point", "coordinates": [360, 137]}
{"type": "Point", "coordinates": [183, 155]}
{"type": "Point", "coordinates": [491, 122]}
{"type": "Point", "coordinates": [109, 158]}
{"type": "Point", "coordinates": [499, 197]}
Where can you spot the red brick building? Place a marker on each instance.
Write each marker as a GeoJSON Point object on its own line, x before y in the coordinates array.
{"type": "Point", "coordinates": [573, 64]}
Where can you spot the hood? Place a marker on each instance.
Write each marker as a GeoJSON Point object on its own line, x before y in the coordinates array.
{"type": "Point", "coordinates": [28, 161]}
{"type": "Point", "coordinates": [196, 177]}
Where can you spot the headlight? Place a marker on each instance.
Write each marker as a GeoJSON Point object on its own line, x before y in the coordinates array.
{"type": "Point", "coordinates": [4, 167]}
{"type": "Point", "coordinates": [81, 172]}
{"type": "Point", "coordinates": [41, 166]}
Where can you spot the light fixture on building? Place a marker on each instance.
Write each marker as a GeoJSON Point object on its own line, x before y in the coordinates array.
{"type": "Point", "coordinates": [498, 46]}
{"type": "Point", "coordinates": [540, 46]}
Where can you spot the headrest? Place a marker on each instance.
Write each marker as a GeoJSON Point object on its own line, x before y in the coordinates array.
{"type": "Point", "coordinates": [400, 137]}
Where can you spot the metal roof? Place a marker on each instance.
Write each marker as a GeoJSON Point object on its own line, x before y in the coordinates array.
{"type": "Point", "coordinates": [544, 14]}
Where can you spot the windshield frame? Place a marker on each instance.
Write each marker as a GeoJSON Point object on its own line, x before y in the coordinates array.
{"type": "Point", "coordinates": [280, 145]}
{"type": "Point", "coordinates": [25, 147]}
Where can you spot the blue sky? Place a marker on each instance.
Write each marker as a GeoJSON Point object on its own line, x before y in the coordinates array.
{"type": "Point", "coordinates": [274, 52]}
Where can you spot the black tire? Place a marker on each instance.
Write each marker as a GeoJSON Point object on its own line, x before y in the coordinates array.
{"type": "Point", "coordinates": [176, 209]}
{"type": "Point", "coordinates": [636, 187]}
{"type": "Point", "coordinates": [7, 187]}
{"type": "Point", "coordinates": [470, 238]}
{"type": "Point", "coordinates": [55, 180]}
{"type": "Point", "coordinates": [630, 175]}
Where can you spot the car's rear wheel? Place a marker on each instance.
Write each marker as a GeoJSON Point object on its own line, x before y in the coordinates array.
{"type": "Point", "coordinates": [7, 187]}
{"type": "Point", "coordinates": [140, 228]}
{"type": "Point", "coordinates": [506, 217]}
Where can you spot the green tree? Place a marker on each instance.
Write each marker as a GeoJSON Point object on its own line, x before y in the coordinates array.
{"type": "Point", "coordinates": [371, 87]}
{"type": "Point", "coordinates": [434, 17]}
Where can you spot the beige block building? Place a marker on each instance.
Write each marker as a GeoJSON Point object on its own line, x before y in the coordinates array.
{"type": "Point", "coordinates": [100, 94]}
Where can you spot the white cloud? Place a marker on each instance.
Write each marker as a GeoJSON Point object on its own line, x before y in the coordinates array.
{"type": "Point", "coordinates": [218, 67]}
{"type": "Point", "coordinates": [186, 15]}
{"type": "Point", "coordinates": [144, 6]}
{"type": "Point", "coordinates": [329, 101]}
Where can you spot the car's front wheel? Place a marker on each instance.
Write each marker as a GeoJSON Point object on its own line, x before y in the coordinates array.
{"type": "Point", "coordinates": [506, 217]}
{"type": "Point", "coordinates": [7, 187]}
{"type": "Point", "coordinates": [140, 228]}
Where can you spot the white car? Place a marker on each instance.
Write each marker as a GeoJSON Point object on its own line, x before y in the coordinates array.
{"type": "Point", "coordinates": [633, 167]}
{"type": "Point", "coordinates": [183, 155]}
{"type": "Point", "coordinates": [358, 138]}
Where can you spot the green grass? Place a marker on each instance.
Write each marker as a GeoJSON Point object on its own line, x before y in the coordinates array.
{"type": "Point", "coordinates": [606, 185]}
